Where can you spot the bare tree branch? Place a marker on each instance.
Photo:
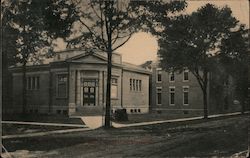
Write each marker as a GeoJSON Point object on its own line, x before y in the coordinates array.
{"type": "Point", "coordinates": [123, 42]}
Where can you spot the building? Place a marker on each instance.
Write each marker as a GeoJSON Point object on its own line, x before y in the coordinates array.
{"type": "Point", "coordinates": [180, 92]}
{"type": "Point", "coordinates": [74, 82]}
{"type": "Point", "coordinates": [174, 92]}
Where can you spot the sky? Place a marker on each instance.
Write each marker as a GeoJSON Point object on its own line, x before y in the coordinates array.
{"type": "Point", "coordinates": [143, 46]}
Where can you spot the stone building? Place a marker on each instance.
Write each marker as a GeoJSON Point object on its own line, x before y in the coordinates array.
{"type": "Point", "coordinates": [75, 82]}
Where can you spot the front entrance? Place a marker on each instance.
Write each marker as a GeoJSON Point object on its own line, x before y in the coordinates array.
{"type": "Point", "coordinates": [89, 93]}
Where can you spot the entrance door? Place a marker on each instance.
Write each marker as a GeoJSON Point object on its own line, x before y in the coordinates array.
{"type": "Point", "coordinates": [89, 93]}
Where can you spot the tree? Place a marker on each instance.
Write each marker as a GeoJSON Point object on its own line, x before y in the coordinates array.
{"type": "Point", "coordinates": [234, 57]}
{"type": "Point", "coordinates": [108, 25]}
{"type": "Point", "coordinates": [191, 40]}
{"type": "Point", "coordinates": [29, 27]}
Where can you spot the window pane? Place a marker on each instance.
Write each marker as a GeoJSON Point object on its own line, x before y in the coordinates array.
{"type": "Point", "coordinates": [37, 82]}
{"type": "Point", "coordinates": [158, 98]}
{"type": "Point", "coordinates": [130, 84]}
{"type": "Point", "coordinates": [62, 86]}
{"type": "Point", "coordinates": [171, 76]}
{"type": "Point", "coordinates": [134, 84]}
{"type": "Point", "coordinates": [185, 75]}
{"type": "Point", "coordinates": [185, 98]}
{"type": "Point", "coordinates": [171, 98]}
{"type": "Point", "coordinates": [139, 85]}
{"type": "Point", "coordinates": [159, 77]}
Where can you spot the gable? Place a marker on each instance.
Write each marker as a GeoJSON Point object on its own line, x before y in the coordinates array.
{"type": "Point", "coordinates": [89, 59]}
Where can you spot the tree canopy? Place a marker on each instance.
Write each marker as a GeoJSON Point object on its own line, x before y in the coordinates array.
{"type": "Point", "coordinates": [189, 41]}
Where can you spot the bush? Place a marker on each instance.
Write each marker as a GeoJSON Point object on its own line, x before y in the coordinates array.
{"type": "Point", "coordinates": [121, 115]}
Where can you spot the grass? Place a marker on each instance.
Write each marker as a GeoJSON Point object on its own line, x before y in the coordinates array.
{"type": "Point", "coordinates": [13, 129]}
{"type": "Point", "coordinates": [43, 118]}
{"type": "Point", "coordinates": [220, 137]}
{"type": "Point", "coordinates": [136, 118]}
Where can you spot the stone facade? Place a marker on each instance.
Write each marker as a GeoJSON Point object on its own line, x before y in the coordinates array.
{"type": "Point", "coordinates": [75, 83]}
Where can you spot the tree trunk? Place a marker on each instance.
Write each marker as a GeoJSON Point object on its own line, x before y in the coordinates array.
{"type": "Point", "coordinates": [108, 100]}
{"type": "Point", "coordinates": [205, 103]}
{"type": "Point", "coordinates": [205, 76]}
{"type": "Point", "coordinates": [242, 102]}
{"type": "Point", "coordinates": [24, 108]}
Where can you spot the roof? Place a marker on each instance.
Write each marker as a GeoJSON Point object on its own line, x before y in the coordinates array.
{"type": "Point", "coordinates": [80, 54]}
{"type": "Point", "coordinates": [133, 67]}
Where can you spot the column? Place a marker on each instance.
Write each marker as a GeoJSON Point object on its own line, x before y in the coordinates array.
{"type": "Point", "coordinates": [78, 88]}
{"type": "Point", "coordinates": [71, 91]}
{"type": "Point", "coordinates": [100, 89]}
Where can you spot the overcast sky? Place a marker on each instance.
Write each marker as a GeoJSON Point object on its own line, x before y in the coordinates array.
{"type": "Point", "coordinates": [142, 46]}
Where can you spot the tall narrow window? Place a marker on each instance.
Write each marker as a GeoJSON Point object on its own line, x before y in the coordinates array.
{"type": "Point", "coordinates": [114, 88]}
{"type": "Point", "coordinates": [185, 95]}
{"type": "Point", "coordinates": [33, 83]}
{"type": "Point", "coordinates": [158, 97]}
{"type": "Point", "coordinates": [171, 95]}
{"type": "Point", "coordinates": [171, 76]}
{"type": "Point", "coordinates": [62, 85]}
{"type": "Point", "coordinates": [185, 75]}
{"type": "Point", "coordinates": [139, 85]}
{"type": "Point", "coordinates": [130, 84]}
{"type": "Point", "coordinates": [37, 82]}
{"type": "Point", "coordinates": [159, 75]}
{"type": "Point", "coordinates": [133, 84]}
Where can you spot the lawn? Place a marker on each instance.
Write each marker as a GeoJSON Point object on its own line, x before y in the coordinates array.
{"type": "Point", "coordinates": [43, 118]}
{"type": "Point", "coordinates": [136, 118]}
{"type": "Point", "coordinates": [221, 137]}
{"type": "Point", "coordinates": [13, 129]}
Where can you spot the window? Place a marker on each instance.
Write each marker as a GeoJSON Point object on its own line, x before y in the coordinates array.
{"type": "Point", "coordinates": [133, 84]}
{"type": "Point", "coordinates": [185, 75]}
{"type": "Point", "coordinates": [171, 95]}
{"type": "Point", "coordinates": [62, 85]}
{"type": "Point", "coordinates": [171, 76]}
{"type": "Point", "coordinates": [185, 95]}
{"type": "Point", "coordinates": [139, 85]}
{"type": "Point", "coordinates": [32, 83]}
{"type": "Point", "coordinates": [114, 88]}
{"type": "Point", "coordinates": [158, 93]}
{"type": "Point", "coordinates": [130, 84]}
{"type": "Point", "coordinates": [158, 75]}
